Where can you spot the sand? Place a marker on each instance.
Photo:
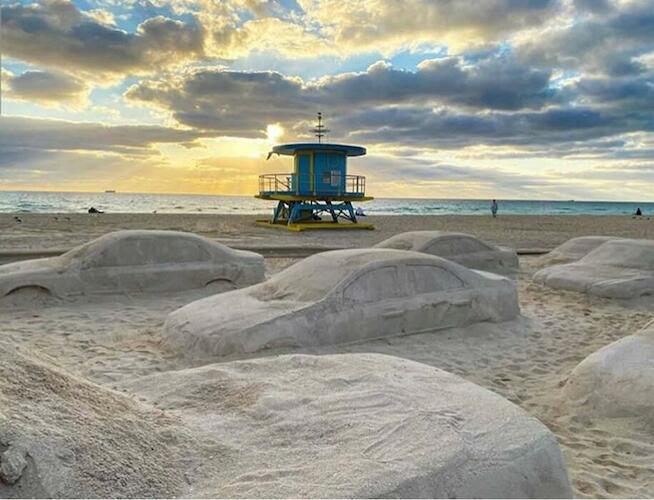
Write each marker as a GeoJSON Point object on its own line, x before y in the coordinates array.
{"type": "Point", "coordinates": [114, 340]}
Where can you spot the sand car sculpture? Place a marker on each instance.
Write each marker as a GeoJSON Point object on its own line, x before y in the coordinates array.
{"type": "Point", "coordinates": [574, 249]}
{"type": "Point", "coordinates": [133, 261]}
{"type": "Point", "coordinates": [461, 248]}
{"type": "Point", "coordinates": [338, 297]}
{"type": "Point", "coordinates": [617, 269]}
{"type": "Point", "coordinates": [618, 379]}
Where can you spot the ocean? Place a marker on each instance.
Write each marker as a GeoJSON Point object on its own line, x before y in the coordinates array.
{"type": "Point", "coordinates": [54, 202]}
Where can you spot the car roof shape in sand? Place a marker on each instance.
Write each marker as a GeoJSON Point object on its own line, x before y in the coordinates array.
{"type": "Point", "coordinates": [339, 297]}
{"type": "Point", "coordinates": [617, 380]}
{"type": "Point", "coordinates": [573, 249]}
{"type": "Point", "coordinates": [132, 261]}
{"type": "Point", "coordinates": [354, 426]}
{"type": "Point", "coordinates": [464, 249]}
{"type": "Point", "coordinates": [617, 269]}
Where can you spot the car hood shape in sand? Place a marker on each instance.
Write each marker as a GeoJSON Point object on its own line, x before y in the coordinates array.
{"type": "Point", "coordinates": [355, 426]}
{"type": "Point", "coordinates": [617, 269]}
{"type": "Point", "coordinates": [339, 297]}
{"type": "Point", "coordinates": [461, 248]}
{"type": "Point", "coordinates": [617, 380]}
{"type": "Point", "coordinates": [133, 261]}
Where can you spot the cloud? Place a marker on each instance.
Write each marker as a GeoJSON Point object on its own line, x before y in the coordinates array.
{"type": "Point", "coordinates": [19, 134]}
{"type": "Point", "coordinates": [243, 103]}
{"type": "Point", "coordinates": [56, 34]}
{"type": "Point", "coordinates": [45, 87]}
{"type": "Point", "coordinates": [602, 37]}
{"type": "Point", "coordinates": [446, 129]}
{"type": "Point", "coordinates": [389, 25]}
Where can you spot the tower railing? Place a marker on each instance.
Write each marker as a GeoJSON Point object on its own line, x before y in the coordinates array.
{"type": "Point", "coordinates": [271, 184]}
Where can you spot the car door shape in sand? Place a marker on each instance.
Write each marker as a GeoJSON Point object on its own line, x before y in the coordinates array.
{"type": "Point", "coordinates": [461, 248]}
{"type": "Point", "coordinates": [617, 269]}
{"type": "Point", "coordinates": [133, 261]}
{"type": "Point", "coordinates": [339, 297]}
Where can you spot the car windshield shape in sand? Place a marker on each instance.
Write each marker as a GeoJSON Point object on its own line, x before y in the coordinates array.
{"type": "Point", "coordinates": [618, 269]}
{"type": "Point", "coordinates": [461, 248]}
{"type": "Point", "coordinates": [133, 261]}
{"type": "Point", "coordinates": [339, 297]}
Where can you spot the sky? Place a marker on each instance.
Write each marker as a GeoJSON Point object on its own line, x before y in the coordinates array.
{"type": "Point", "coordinates": [520, 99]}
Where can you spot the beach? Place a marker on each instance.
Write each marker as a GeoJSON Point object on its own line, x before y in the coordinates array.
{"type": "Point", "coordinates": [115, 339]}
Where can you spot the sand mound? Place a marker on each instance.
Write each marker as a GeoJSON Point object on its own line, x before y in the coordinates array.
{"type": "Point", "coordinates": [618, 269]}
{"type": "Point", "coordinates": [357, 425]}
{"type": "Point", "coordinates": [617, 380]}
{"type": "Point", "coordinates": [341, 297]}
{"type": "Point", "coordinates": [461, 248]}
{"type": "Point", "coordinates": [573, 249]}
{"type": "Point", "coordinates": [134, 261]}
{"type": "Point", "coordinates": [61, 436]}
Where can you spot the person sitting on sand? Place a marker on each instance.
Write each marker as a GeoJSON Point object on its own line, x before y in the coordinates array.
{"type": "Point", "coordinates": [494, 207]}
{"type": "Point", "coordinates": [639, 212]}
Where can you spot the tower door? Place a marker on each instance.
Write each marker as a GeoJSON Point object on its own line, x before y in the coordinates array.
{"type": "Point", "coordinates": [303, 173]}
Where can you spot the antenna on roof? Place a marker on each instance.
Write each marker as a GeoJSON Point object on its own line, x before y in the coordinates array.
{"type": "Point", "coordinates": [320, 130]}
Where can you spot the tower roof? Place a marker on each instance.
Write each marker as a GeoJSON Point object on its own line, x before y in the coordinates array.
{"type": "Point", "coordinates": [291, 149]}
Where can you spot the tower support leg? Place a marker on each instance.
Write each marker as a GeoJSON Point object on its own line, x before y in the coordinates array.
{"type": "Point", "coordinates": [350, 210]}
{"type": "Point", "coordinates": [332, 212]}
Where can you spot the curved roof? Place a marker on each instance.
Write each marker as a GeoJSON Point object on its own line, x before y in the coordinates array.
{"type": "Point", "coordinates": [313, 277]}
{"type": "Point", "coordinates": [419, 240]}
{"type": "Point", "coordinates": [290, 149]}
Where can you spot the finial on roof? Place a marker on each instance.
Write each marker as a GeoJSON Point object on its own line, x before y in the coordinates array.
{"type": "Point", "coordinates": [320, 130]}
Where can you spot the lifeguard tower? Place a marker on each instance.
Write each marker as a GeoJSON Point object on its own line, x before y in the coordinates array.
{"type": "Point", "coordinates": [318, 187]}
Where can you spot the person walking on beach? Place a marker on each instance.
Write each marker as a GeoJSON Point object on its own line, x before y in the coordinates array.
{"type": "Point", "coordinates": [494, 208]}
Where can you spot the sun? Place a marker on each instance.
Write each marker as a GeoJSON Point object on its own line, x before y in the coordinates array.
{"type": "Point", "coordinates": [274, 132]}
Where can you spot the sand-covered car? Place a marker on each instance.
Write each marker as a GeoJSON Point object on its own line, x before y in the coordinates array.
{"type": "Point", "coordinates": [134, 261]}
{"type": "Point", "coordinates": [573, 249]}
{"type": "Point", "coordinates": [617, 269]}
{"type": "Point", "coordinates": [339, 297]}
{"type": "Point", "coordinates": [618, 379]}
{"type": "Point", "coordinates": [461, 248]}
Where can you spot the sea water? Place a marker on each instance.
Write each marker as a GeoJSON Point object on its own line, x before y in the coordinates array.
{"type": "Point", "coordinates": [55, 202]}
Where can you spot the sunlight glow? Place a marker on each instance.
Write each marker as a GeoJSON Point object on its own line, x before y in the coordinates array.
{"type": "Point", "coordinates": [274, 132]}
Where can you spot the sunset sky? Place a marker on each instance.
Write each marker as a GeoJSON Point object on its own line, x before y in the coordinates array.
{"type": "Point", "coordinates": [528, 99]}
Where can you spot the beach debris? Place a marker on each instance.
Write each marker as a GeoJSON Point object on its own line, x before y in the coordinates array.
{"type": "Point", "coordinates": [616, 269]}
{"type": "Point", "coordinates": [18, 219]}
{"type": "Point", "coordinates": [134, 261]}
{"type": "Point", "coordinates": [12, 464]}
{"type": "Point", "coordinates": [464, 249]}
{"type": "Point", "coordinates": [94, 210]}
{"type": "Point", "coordinates": [339, 297]}
{"type": "Point", "coordinates": [617, 380]}
{"type": "Point", "coordinates": [573, 249]}
{"type": "Point", "coordinates": [355, 426]}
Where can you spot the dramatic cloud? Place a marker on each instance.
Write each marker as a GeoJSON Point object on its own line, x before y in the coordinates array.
{"type": "Point", "coordinates": [500, 96]}
{"type": "Point", "coordinates": [45, 87]}
{"type": "Point", "coordinates": [389, 24]}
{"type": "Point", "coordinates": [608, 40]}
{"type": "Point", "coordinates": [27, 134]}
{"type": "Point", "coordinates": [243, 103]}
{"type": "Point", "coordinates": [55, 34]}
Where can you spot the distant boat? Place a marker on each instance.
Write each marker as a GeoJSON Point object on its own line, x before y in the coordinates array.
{"type": "Point", "coordinates": [110, 191]}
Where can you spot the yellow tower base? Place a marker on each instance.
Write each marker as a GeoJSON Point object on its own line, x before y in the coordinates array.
{"type": "Point", "coordinates": [308, 225]}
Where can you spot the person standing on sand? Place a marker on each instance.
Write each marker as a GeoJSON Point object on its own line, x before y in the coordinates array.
{"type": "Point", "coordinates": [494, 208]}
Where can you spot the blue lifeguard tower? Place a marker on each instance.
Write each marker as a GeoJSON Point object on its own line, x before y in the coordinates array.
{"type": "Point", "coordinates": [319, 186]}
